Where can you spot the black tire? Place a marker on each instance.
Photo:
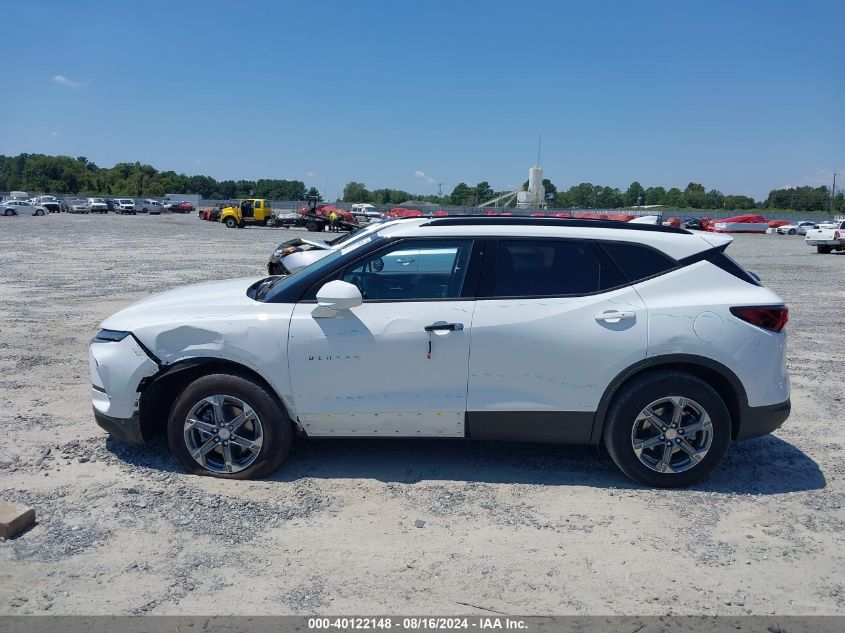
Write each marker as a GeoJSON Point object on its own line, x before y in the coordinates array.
{"type": "Point", "coordinates": [231, 222]}
{"type": "Point", "coordinates": [39, 212]}
{"type": "Point", "coordinates": [276, 425]}
{"type": "Point", "coordinates": [8, 212]}
{"type": "Point", "coordinates": [823, 250]}
{"type": "Point", "coordinates": [632, 399]}
{"type": "Point", "coordinates": [792, 231]}
{"type": "Point", "coordinates": [311, 227]}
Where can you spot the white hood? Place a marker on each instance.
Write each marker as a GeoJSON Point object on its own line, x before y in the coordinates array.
{"type": "Point", "coordinates": [213, 299]}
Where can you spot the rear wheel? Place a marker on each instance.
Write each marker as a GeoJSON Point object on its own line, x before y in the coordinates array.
{"type": "Point", "coordinates": [823, 250]}
{"type": "Point", "coordinates": [39, 212]}
{"type": "Point", "coordinates": [231, 222]}
{"type": "Point", "coordinates": [8, 212]}
{"type": "Point", "coordinates": [225, 425]}
{"type": "Point", "coordinates": [667, 429]}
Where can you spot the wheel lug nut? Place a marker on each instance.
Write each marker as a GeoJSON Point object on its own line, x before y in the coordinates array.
{"type": "Point", "coordinates": [678, 441]}
{"type": "Point", "coordinates": [216, 439]}
{"type": "Point", "coordinates": [662, 437]}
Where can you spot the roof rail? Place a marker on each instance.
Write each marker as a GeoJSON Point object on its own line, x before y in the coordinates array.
{"type": "Point", "coordinates": [477, 220]}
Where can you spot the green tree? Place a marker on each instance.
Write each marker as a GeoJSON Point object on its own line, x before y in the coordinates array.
{"type": "Point", "coordinates": [462, 195]}
{"type": "Point", "coordinates": [635, 194]}
{"type": "Point", "coordinates": [356, 192]}
{"type": "Point", "coordinates": [654, 195]}
{"type": "Point", "coordinates": [483, 192]}
{"type": "Point", "coordinates": [313, 192]}
{"type": "Point", "coordinates": [582, 196]}
{"type": "Point", "coordinates": [694, 196]}
{"type": "Point", "coordinates": [674, 198]}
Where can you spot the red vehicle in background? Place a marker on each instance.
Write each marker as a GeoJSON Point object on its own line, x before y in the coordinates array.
{"type": "Point", "coordinates": [402, 212]}
{"type": "Point", "coordinates": [184, 207]}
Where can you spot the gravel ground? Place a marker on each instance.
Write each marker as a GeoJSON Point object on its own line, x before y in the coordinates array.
{"type": "Point", "coordinates": [389, 526]}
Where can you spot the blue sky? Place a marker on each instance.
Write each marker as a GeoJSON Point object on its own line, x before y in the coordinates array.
{"type": "Point", "coordinates": [741, 96]}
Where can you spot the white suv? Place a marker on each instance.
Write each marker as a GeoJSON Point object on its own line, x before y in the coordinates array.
{"type": "Point", "coordinates": [646, 338]}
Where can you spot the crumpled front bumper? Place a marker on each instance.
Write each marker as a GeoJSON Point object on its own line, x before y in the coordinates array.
{"type": "Point", "coordinates": [117, 369]}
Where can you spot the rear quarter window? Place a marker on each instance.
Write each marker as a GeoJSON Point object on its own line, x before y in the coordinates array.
{"type": "Point", "coordinates": [636, 261]}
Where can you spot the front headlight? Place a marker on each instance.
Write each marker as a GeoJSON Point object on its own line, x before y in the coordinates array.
{"type": "Point", "coordinates": [109, 336]}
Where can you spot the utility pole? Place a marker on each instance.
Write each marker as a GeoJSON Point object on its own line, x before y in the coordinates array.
{"type": "Point", "coordinates": [440, 189]}
{"type": "Point", "coordinates": [832, 195]}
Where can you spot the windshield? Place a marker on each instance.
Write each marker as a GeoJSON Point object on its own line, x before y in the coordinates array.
{"type": "Point", "coordinates": [96, 199]}
{"type": "Point", "coordinates": [272, 285]}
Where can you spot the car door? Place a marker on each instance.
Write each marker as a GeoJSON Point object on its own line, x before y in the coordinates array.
{"type": "Point", "coordinates": [397, 364]}
{"type": "Point", "coordinates": [555, 322]}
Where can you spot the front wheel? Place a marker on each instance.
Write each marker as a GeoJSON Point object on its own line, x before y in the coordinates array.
{"type": "Point", "coordinates": [667, 429]}
{"type": "Point", "coordinates": [39, 212]}
{"type": "Point", "coordinates": [225, 425]}
{"type": "Point", "coordinates": [792, 231]}
{"type": "Point", "coordinates": [231, 222]}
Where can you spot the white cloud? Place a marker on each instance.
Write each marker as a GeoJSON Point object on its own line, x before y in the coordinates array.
{"type": "Point", "coordinates": [424, 176]}
{"type": "Point", "coordinates": [54, 133]}
{"type": "Point", "coordinates": [67, 83]}
{"type": "Point", "coordinates": [311, 174]}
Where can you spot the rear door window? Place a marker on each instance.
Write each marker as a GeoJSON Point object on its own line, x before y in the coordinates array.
{"type": "Point", "coordinates": [545, 268]}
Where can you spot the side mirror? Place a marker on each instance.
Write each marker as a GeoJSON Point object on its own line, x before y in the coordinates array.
{"type": "Point", "coordinates": [339, 295]}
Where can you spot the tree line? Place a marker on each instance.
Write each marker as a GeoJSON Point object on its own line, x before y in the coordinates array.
{"type": "Point", "coordinates": [39, 173]}
{"type": "Point", "coordinates": [589, 196]}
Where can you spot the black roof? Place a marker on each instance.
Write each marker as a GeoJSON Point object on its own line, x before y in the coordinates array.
{"type": "Point", "coordinates": [480, 220]}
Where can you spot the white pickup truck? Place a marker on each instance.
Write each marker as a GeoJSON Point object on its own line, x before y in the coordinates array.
{"type": "Point", "coordinates": [827, 237]}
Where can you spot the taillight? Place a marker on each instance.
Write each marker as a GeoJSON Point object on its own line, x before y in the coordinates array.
{"type": "Point", "coordinates": [772, 318]}
{"type": "Point", "coordinates": [837, 235]}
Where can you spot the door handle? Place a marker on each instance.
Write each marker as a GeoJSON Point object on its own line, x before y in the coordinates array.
{"type": "Point", "coordinates": [447, 327]}
{"type": "Point", "coordinates": [614, 316]}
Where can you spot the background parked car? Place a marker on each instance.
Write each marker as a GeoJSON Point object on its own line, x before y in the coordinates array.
{"type": "Point", "coordinates": [78, 205]}
{"type": "Point", "coordinates": [22, 207]}
{"type": "Point", "coordinates": [51, 203]}
{"type": "Point", "coordinates": [97, 205]}
{"type": "Point", "coordinates": [125, 205]}
{"type": "Point", "coordinates": [153, 207]}
{"type": "Point", "coordinates": [111, 205]}
{"type": "Point", "coordinates": [797, 228]}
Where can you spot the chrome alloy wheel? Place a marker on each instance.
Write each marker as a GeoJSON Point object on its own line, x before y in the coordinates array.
{"type": "Point", "coordinates": [223, 434]}
{"type": "Point", "coordinates": [672, 434]}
